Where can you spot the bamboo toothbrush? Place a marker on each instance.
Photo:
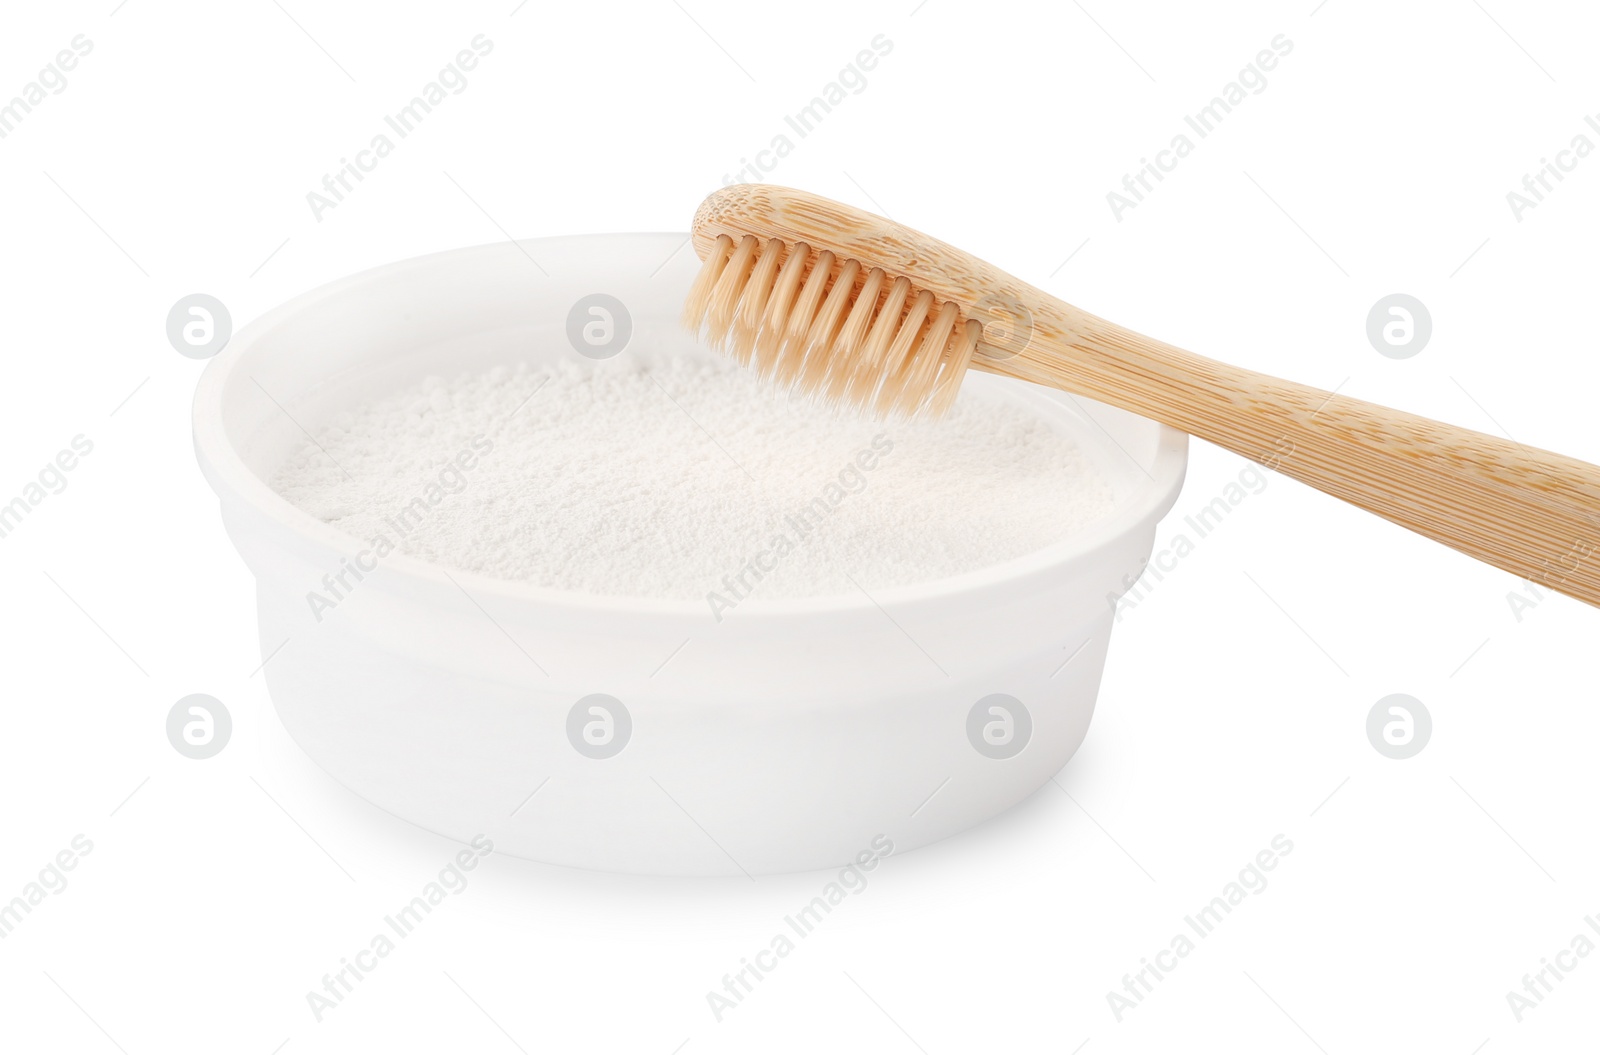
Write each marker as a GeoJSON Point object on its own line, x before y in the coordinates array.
{"type": "Point", "coordinates": [862, 310]}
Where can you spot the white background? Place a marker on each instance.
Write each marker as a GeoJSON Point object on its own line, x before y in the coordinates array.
{"type": "Point", "coordinates": [1377, 160]}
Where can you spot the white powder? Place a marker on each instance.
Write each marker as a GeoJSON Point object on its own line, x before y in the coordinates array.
{"type": "Point", "coordinates": [688, 479]}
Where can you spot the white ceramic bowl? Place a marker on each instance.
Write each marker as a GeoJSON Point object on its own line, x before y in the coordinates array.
{"type": "Point", "coordinates": [787, 737]}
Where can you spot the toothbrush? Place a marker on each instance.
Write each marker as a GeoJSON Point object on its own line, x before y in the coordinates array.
{"type": "Point", "coordinates": [858, 309]}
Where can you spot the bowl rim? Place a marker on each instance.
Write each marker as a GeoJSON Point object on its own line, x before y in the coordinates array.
{"type": "Point", "coordinates": [228, 475]}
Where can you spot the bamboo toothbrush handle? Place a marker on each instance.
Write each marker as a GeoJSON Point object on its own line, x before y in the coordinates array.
{"type": "Point", "coordinates": [1531, 512]}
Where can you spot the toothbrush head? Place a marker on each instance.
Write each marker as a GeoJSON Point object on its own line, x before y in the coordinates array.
{"type": "Point", "coordinates": [845, 305]}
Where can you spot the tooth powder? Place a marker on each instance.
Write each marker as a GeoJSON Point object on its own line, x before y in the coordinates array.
{"type": "Point", "coordinates": [685, 479]}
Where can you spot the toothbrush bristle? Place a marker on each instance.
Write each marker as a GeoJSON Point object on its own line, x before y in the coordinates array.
{"type": "Point", "coordinates": [827, 327]}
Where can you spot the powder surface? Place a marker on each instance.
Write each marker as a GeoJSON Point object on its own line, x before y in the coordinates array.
{"type": "Point", "coordinates": [688, 479]}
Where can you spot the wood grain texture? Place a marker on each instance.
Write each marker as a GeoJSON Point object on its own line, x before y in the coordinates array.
{"type": "Point", "coordinates": [1531, 512]}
